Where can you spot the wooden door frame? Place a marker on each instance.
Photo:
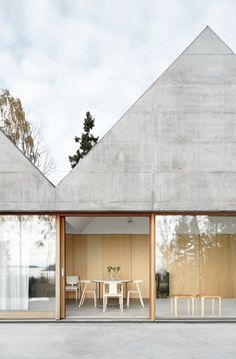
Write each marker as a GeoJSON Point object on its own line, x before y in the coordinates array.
{"type": "Point", "coordinates": [60, 265]}
{"type": "Point", "coordinates": [152, 267]}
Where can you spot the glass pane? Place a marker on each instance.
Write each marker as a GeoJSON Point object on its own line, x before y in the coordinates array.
{"type": "Point", "coordinates": [27, 263]}
{"type": "Point", "coordinates": [196, 266]}
{"type": "Point", "coordinates": [107, 262]}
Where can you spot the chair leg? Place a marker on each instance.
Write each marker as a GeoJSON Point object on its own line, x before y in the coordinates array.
{"type": "Point", "coordinates": [83, 296]}
{"type": "Point", "coordinates": [128, 295]}
{"type": "Point", "coordinates": [104, 304]}
{"type": "Point", "coordinates": [220, 307]}
{"type": "Point", "coordinates": [140, 296]}
{"type": "Point", "coordinates": [121, 304]}
{"type": "Point", "coordinates": [175, 307]}
{"type": "Point", "coordinates": [213, 306]}
{"type": "Point", "coordinates": [95, 299]}
{"type": "Point", "coordinates": [188, 306]}
{"type": "Point", "coordinates": [193, 309]}
{"type": "Point", "coordinates": [202, 307]}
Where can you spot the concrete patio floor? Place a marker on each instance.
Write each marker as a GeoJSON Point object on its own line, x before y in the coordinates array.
{"type": "Point", "coordinates": [140, 340]}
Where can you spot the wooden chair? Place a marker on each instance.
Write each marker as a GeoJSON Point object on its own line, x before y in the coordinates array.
{"type": "Point", "coordinates": [87, 291]}
{"type": "Point", "coordinates": [137, 291]}
{"type": "Point", "coordinates": [73, 285]}
{"type": "Point", "coordinates": [112, 289]}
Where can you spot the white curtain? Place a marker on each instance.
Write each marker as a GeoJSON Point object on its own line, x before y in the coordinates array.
{"type": "Point", "coordinates": [14, 264]}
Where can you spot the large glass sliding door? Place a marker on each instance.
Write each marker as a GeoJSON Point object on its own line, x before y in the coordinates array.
{"type": "Point", "coordinates": [27, 263]}
{"type": "Point", "coordinates": [196, 266]}
{"type": "Point", "coordinates": [107, 267]}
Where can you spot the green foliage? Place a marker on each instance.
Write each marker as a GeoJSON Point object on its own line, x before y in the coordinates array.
{"type": "Point", "coordinates": [86, 141]}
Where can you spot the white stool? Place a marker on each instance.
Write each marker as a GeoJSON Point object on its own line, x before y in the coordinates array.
{"type": "Point", "coordinates": [86, 291]}
{"type": "Point", "coordinates": [212, 298]}
{"type": "Point", "coordinates": [137, 291]}
{"type": "Point", "coordinates": [174, 303]}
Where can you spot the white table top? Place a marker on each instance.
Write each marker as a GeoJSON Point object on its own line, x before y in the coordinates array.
{"type": "Point", "coordinates": [111, 281]}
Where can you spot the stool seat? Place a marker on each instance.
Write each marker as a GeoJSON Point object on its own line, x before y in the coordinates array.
{"type": "Point", "coordinates": [182, 295]}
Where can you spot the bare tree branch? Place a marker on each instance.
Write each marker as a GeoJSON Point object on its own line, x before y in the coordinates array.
{"type": "Point", "coordinates": [27, 137]}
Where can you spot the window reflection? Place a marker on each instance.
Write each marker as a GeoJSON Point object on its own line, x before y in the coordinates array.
{"type": "Point", "coordinates": [27, 263]}
{"type": "Point", "coordinates": [198, 254]}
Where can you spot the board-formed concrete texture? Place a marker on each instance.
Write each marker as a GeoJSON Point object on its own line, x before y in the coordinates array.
{"type": "Point", "coordinates": [174, 149]}
{"type": "Point", "coordinates": [22, 185]}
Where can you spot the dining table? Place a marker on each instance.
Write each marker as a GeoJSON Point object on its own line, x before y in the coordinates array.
{"type": "Point", "coordinates": [100, 282]}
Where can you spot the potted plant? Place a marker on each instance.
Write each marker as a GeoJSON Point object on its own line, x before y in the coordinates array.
{"type": "Point", "coordinates": [116, 270]}
{"type": "Point", "coordinates": [113, 271]}
{"type": "Point", "coordinates": [110, 272]}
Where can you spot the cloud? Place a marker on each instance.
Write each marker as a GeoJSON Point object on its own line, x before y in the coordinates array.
{"type": "Point", "coordinates": [63, 58]}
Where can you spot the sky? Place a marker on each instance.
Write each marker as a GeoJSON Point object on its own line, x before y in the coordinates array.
{"type": "Point", "coordinates": [65, 57]}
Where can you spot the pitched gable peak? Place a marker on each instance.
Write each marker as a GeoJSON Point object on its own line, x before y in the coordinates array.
{"type": "Point", "coordinates": [208, 43]}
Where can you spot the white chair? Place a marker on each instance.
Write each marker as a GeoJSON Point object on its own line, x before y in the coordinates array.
{"type": "Point", "coordinates": [87, 291]}
{"type": "Point", "coordinates": [72, 285]}
{"type": "Point", "coordinates": [136, 291]}
{"type": "Point", "coordinates": [112, 289]}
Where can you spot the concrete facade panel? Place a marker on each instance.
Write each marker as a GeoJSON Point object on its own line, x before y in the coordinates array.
{"type": "Point", "coordinates": [174, 149]}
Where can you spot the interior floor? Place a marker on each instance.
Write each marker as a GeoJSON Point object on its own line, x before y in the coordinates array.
{"type": "Point", "coordinates": [88, 311]}
{"type": "Point", "coordinates": [163, 309]}
{"type": "Point", "coordinates": [135, 311]}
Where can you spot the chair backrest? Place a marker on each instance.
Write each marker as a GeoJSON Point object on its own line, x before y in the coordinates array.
{"type": "Point", "coordinates": [112, 287]}
{"type": "Point", "coordinates": [72, 279]}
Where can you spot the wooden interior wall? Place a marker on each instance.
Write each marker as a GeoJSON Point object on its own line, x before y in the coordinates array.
{"type": "Point", "coordinates": [201, 264]}
{"type": "Point", "coordinates": [89, 255]}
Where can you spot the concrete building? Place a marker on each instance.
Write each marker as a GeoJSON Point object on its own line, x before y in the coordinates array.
{"type": "Point", "coordinates": [167, 166]}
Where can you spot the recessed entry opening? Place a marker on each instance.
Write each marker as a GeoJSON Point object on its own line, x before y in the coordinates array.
{"type": "Point", "coordinates": [107, 267]}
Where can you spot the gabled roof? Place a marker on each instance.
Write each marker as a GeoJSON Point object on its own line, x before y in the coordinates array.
{"type": "Point", "coordinates": [174, 149]}
{"type": "Point", "coordinates": [22, 186]}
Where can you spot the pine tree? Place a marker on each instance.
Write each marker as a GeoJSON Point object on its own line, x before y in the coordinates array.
{"type": "Point", "coordinates": [86, 141]}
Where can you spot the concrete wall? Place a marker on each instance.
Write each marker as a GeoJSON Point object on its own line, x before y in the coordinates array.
{"type": "Point", "coordinates": [175, 149]}
{"type": "Point", "coordinates": [22, 186]}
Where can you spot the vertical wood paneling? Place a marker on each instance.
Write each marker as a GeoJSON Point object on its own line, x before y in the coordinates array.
{"type": "Point", "coordinates": [232, 266]}
{"type": "Point", "coordinates": [80, 256]}
{"type": "Point", "coordinates": [58, 268]}
{"type": "Point", "coordinates": [140, 261]}
{"type": "Point", "coordinates": [69, 254]}
{"type": "Point", "coordinates": [89, 256]}
{"type": "Point", "coordinates": [62, 268]}
{"type": "Point", "coordinates": [116, 250]}
{"type": "Point", "coordinates": [94, 256]}
{"type": "Point", "coordinates": [152, 257]}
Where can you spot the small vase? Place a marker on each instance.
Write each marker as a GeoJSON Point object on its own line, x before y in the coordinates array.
{"type": "Point", "coordinates": [117, 276]}
{"type": "Point", "coordinates": [111, 276]}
